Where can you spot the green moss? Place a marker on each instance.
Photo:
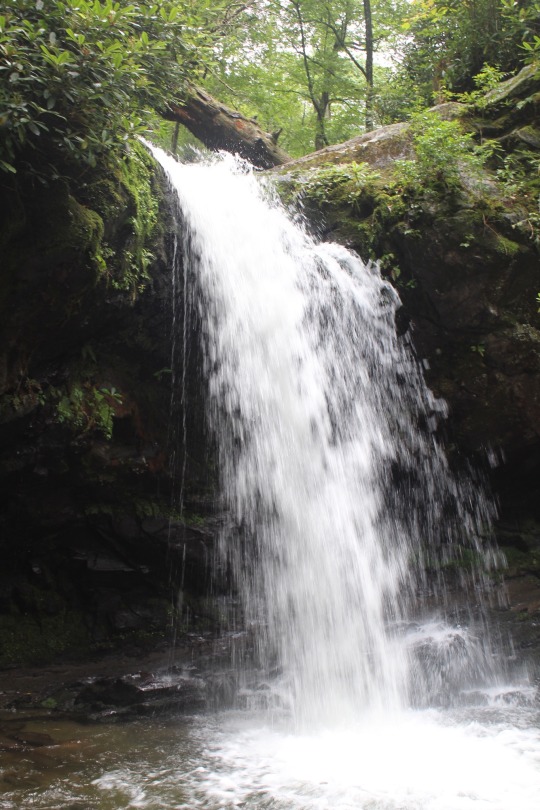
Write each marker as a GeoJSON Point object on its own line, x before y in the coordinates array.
{"type": "Point", "coordinates": [101, 229]}
{"type": "Point", "coordinates": [39, 638]}
{"type": "Point", "coordinates": [54, 228]}
{"type": "Point", "coordinates": [25, 640]}
{"type": "Point", "coordinates": [358, 205]}
{"type": "Point", "coordinates": [126, 198]}
{"type": "Point", "coordinates": [49, 703]}
{"type": "Point", "coordinates": [521, 562]}
{"type": "Point", "coordinates": [344, 184]}
{"type": "Point", "coordinates": [507, 246]}
{"type": "Point", "coordinates": [67, 229]}
{"type": "Point", "coordinates": [145, 508]}
{"type": "Point", "coordinates": [105, 194]}
{"type": "Point", "coordinates": [464, 559]}
{"type": "Point", "coordinates": [529, 135]}
{"type": "Point", "coordinates": [191, 519]}
{"type": "Point", "coordinates": [83, 229]}
{"type": "Point", "coordinates": [519, 86]}
{"type": "Point", "coordinates": [383, 213]}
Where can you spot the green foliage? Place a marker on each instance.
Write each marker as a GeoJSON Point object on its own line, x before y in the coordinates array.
{"type": "Point", "coordinates": [86, 407]}
{"type": "Point", "coordinates": [76, 76]}
{"type": "Point", "coordinates": [523, 20]}
{"type": "Point", "coordinates": [519, 175]}
{"type": "Point", "coordinates": [302, 66]}
{"type": "Point", "coordinates": [397, 97]}
{"type": "Point", "coordinates": [484, 81]}
{"type": "Point", "coordinates": [442, 150]}
{"type": "Point", "coordinates": [448, 42]}
{"type": "Point", "coordinates": [80, 78]}
{"type": "Point", "coordinates": [479, 349]}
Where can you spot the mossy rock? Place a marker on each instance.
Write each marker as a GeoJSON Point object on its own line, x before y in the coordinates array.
{"type": "Point", "coordinates": [463, 257]}
{"type": "Point", "coordinates": [529, 135]}
{"type": "Point", "coordinates": [518, 562]}
{"type": "Point", "coordinates": [523, 85]}
{"type": "Point", "coordinates": [51, 230]}
{"type": "Point", "coordinates": [378, 148]}
{"type": "Point", "coordinates": [41, 639]}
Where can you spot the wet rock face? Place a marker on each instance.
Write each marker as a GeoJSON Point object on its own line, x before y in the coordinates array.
{"type": "Point", "coordinates": [92, 540]}
{"type": "Point", "coordinates": [139, 695]}
{"type": "Point", "coordinates": [474, 318]}
{"type": "Point", "coordinates": [193, 675]}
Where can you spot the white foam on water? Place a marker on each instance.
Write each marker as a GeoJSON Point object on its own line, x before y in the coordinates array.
{"type": "Point", "coordinates": [415, 761]}
{"type": "Point", "coordinates": [426, 760]}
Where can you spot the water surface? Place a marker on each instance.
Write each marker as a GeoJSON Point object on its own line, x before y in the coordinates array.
{"type": "Point", "coordinates": [481, 759]}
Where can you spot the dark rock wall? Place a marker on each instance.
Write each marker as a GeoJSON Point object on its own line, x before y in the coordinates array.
{"type": "Point", "coordinates": [92, 538]}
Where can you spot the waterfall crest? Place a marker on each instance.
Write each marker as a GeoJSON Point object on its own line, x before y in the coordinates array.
{"type": "Point", "coordinates": [340, 494]}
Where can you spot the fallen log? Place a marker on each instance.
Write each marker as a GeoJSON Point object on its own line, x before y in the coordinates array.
{"type": "Point", "coordinates": [220, 127]}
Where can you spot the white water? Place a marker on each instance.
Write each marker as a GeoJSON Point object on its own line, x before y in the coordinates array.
{"type": "Point", "coordinates": [340, 496]}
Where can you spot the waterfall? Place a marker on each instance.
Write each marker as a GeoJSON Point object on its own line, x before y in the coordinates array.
{"type": "Point", "coordinates": [340, 494]}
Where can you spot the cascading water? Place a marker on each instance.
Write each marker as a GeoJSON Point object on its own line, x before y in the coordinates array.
{"type": "Point", "coordinates": [341, 499]}
{"type": "Point", "coordinates": [329, 467]}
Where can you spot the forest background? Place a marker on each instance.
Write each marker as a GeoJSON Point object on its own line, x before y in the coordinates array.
{"type": "Point", "coordinates": [80, 79]}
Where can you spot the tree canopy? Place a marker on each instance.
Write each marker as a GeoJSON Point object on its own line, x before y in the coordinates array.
{"type": "Point", "coordinates": [448, 42]}
{"type": "Point", "coordinates": [79, 77]}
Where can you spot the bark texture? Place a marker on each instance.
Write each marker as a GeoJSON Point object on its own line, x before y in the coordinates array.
{"type": "Point", "coordinates": [220, 127]}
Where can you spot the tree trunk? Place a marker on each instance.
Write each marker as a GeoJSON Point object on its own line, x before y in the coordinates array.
{"type": "Point", "coordinates": [321, 109]}
{"type": "Point", "coordinates": [369, 64]}
{"type": "Point", "coordinates": [220, 127]}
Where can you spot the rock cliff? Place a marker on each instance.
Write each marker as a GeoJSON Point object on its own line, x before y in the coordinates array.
{"type": "Point", "coordinates": [93, 540]}
{"type": "Point", "coordinates": [95, 545]}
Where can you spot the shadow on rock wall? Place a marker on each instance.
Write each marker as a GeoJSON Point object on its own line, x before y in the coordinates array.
{"type": "Point", "coordinates": [93, 540]}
